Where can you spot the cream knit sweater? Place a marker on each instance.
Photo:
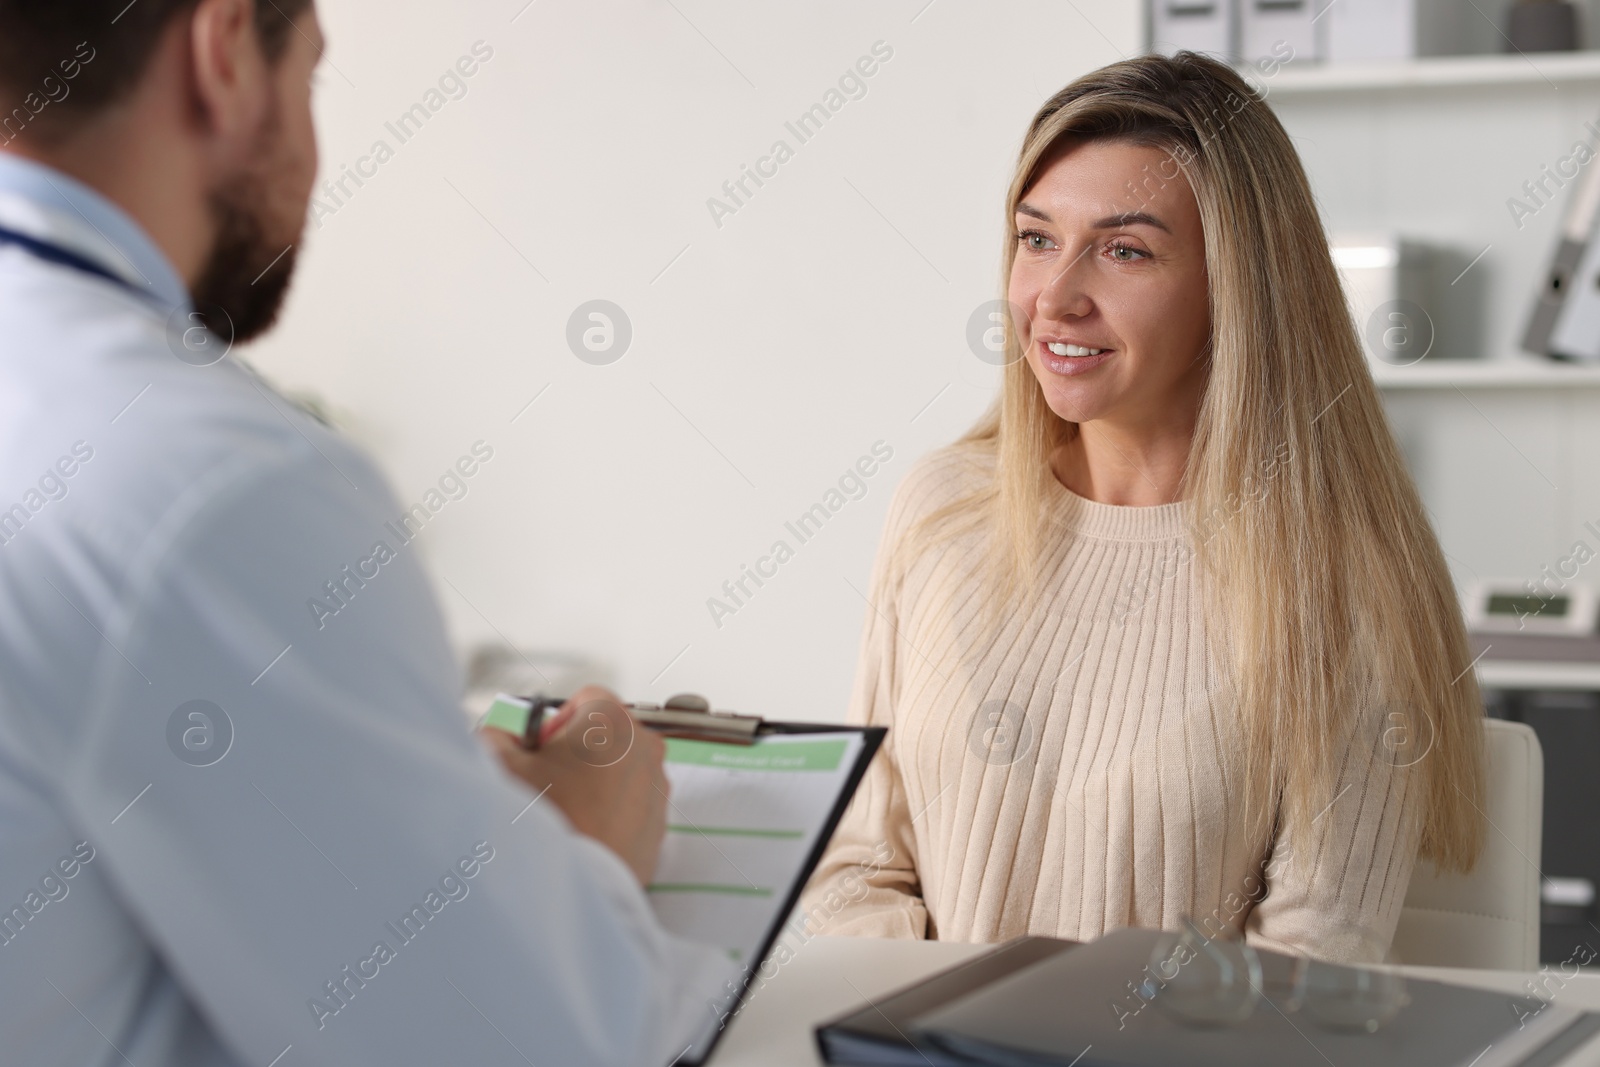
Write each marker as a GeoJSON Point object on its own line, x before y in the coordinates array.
{"type": "Point", "coordinates": [1077, 771]}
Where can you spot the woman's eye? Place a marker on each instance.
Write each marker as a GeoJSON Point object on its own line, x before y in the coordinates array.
{"type": "Point", "coordinates": [1035, 241]}
{"type": "Point", "coordinates": [1117, 249]}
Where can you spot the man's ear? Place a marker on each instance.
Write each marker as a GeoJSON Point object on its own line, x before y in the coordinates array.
{"type": "Point", "coordinates": [231, 80]}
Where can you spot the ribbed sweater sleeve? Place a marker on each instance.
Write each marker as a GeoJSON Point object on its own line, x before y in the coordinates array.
{"type": "Point", "coordinates": [867, 883]}
{"type": "Point", "coordinates": [1338, 895]}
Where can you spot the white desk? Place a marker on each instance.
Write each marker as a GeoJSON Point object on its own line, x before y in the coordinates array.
{"type": "Point", "coordinates": [828, 976]}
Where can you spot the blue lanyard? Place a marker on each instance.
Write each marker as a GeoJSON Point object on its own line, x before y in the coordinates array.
{"type": "Point", "coordinates": [52, 253]}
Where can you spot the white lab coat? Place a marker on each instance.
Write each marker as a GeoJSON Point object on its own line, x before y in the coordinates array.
{"type": "Point", "coordinates": [212, 906]}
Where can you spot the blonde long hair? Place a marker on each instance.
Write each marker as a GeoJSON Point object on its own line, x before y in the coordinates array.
{"type": "Point", "coordinates": [1329, 582]}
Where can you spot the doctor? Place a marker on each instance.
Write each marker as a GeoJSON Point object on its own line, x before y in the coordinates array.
{"type": "Point", "coordinates": [229, 836]}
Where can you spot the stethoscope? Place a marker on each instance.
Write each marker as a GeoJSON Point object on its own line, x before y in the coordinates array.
{"type": "Point", "coordinates": [65, 257]}
{"type": "Point", "coordinates": [179, 328]}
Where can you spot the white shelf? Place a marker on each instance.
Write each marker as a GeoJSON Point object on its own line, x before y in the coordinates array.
{"type": "Point", "coordinates": [1516, 373]}
{"type": "Point", "coordinates": [1507, 674]}
{"type": "Point", "coordinates": [1533, 68]}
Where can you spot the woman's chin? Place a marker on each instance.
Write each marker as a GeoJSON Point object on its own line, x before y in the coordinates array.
{"type": "Point", "coordinates": [1074, 401]}
{"type": "Point", "coordinates": [1076, 415]}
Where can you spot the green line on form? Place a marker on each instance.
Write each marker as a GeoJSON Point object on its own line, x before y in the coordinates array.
{"type": "Point", "coordinates": [708, 887]}
{"type": "Point", "coordinates": [734, 831]}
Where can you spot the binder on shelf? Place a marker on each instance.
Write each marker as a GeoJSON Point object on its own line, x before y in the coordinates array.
{"type": "Point", "coordinates": [1266, 26]}
{"type": "Point", "coordinates": [1208, 26]}
{"type": "Point", "coordinates": [1565, 322]}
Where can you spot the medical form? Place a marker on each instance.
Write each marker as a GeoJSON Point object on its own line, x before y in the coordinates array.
{"type": "Point", "coordinates": [742, 822]}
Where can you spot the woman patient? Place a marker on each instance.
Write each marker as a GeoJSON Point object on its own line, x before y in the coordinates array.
{"type": "Point", "coordinates": [1167, 633]}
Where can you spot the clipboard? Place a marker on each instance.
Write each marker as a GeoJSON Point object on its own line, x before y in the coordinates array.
{"type": "Point", "coordinates": [754, 804]}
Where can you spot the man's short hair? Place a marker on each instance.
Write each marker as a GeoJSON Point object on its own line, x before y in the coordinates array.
{"type": "Point", "coordinates": [63, 61]}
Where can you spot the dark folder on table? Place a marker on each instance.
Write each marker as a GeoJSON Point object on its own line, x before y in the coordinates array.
{"type": "Point", "coordinates": [878, 1033]}
{"type": "Point", "coordinates": [1061, 1008]}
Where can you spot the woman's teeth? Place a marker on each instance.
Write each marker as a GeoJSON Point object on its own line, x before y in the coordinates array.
{"type": "Point", "coordinates": [1074, 350]}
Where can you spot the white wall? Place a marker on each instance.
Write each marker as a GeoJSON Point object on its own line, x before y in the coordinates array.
{"type": "Point", "coordinates": [772, 351]}
{"type": "Point", "coordinates": [823, 316]}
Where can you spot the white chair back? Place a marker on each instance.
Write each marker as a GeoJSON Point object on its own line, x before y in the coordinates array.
{"type": "Point", "coordinates": [1489, 918]}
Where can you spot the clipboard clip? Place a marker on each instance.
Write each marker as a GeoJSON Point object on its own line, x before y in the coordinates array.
{"type": "Point", "coordinates": [691, 716]}
{"type": "Point", "coordinates": [685, 715]}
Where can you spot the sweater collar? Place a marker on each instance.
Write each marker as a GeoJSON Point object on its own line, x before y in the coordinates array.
{"type": "Point", "coordinates": [1116, 522]}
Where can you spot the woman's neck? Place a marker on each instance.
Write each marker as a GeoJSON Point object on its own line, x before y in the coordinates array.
{"type": "Point", "coordinates": [1113, 465]}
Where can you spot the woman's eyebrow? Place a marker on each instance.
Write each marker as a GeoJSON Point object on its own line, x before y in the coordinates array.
{"type": "Point", "coordinates": [1131, 218]}
{"type": "Point", "coordinates": [1110, 222]}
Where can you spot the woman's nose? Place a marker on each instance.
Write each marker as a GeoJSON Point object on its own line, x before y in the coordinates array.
{"type": "Point", "coordinates": [1064, 294]}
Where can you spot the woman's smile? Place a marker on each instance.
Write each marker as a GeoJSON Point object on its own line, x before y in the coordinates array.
{"type": "Point", "coordinates": [1068, 359]}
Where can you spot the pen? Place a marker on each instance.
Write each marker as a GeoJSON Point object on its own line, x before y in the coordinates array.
{"type": "Point", "coordinates": [685, 715]}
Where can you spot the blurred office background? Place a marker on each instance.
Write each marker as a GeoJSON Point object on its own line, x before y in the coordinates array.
{"type": "Point", "coordinates": [775, 344]}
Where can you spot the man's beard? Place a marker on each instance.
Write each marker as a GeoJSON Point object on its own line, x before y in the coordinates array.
{"type": "Point", "coordinates": [242, 285]}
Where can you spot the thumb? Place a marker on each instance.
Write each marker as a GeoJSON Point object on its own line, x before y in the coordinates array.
{"type": "Point", "coordinates": [557, 722]}
{"type": "Point", "coordinates": [590, 696]}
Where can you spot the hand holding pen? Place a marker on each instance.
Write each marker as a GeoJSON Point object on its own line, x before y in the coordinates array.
{"type": "Point", "coordinates": [596, 764]}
